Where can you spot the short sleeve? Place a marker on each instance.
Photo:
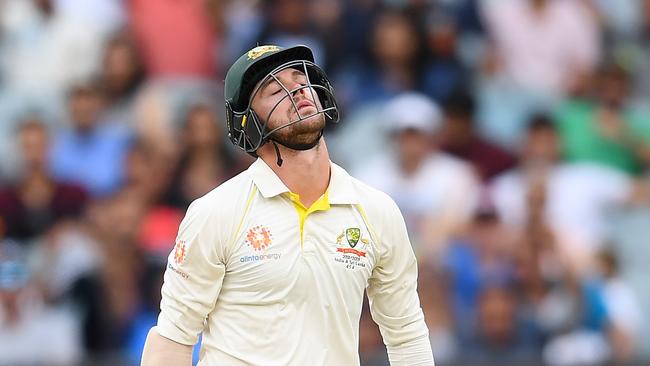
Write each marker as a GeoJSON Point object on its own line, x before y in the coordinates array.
{"type": "Point", "coordinates": [193, 278]}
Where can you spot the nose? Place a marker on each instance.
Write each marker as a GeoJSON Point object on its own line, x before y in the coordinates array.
{"type": "Point", "coordinates": [298, 89]}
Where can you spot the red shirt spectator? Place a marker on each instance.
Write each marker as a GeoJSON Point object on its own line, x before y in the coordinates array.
{"type": "Point", "coordinates": [176, 37]}
{"type": "Point", "coordinates": [36, 200]}
{"type": "Point", "coordinates": [461, 139]}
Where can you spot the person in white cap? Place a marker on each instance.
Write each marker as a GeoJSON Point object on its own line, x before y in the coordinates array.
{"type": "Point", "coordinates": [436, 192]}
{"type": "Point", "coordinates": [271, 267]}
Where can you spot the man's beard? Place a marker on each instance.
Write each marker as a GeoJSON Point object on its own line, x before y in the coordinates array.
{"type": "Point", "coordinates": [302, 135]}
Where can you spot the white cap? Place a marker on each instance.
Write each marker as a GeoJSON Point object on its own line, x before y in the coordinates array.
{"type": "Point", "coordinates": [412, 111]}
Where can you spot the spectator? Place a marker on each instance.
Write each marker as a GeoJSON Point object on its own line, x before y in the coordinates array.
{"type": "Point", "coordinates": [154, 121]}
{"type": "Point", "coordinates": [147, 314]}
{"type": "Point", "coordinates": [605, 129]}
{"type": "Point", "coordinates": [146, 174]}
{"type": "Point", "coordinates": [45, 30]}
{"type": "Point", "coordinates": [176, 38]}
{"type": "Point", "coordinates": [67, 262]}
{"type": "Point", "coordinates": [31, 205]}
{"type": "Point", "coordinates": [436, 192]}
{"type": "Point", "coordinates": [30, 331]}
{"type": "Point", "coordinates": [114, 225]}
{"type": "Point", "coordinates": [461, 139]}
{"type": "Point", "coordinates": [89, 152]}
{"type": "Point", "coordinates": [561, 306]}
{"type": "Point", "coordinates": [444, 73]}
{"type": "Point", "coordinates": [575, 315]}
{"type": "Point", "coordinates": [542, 45]}
{"type": "Point", "coordinates": [622, 19]}
{"type": "Point", "coordinates": [393, 65]}
{"type": "Point", "coordinates": [105, 15]}
{"type": "Point", "coordinates": [642, 60]}
{"type": "Point", "coordinates": [623, 309]}
{"type": "Point", "coordinates": [122, 76]}
{"type": "Point", "coordinates": [328, 22]}
{"type": "Point", "coordinates": [92, 265]}
{"type": "Point", "coordinates": [204, 161]}
{"type": "Point", "coordinates": [480, 256]}
{"type": "Point", "coordinates": [539, 50]}
{"type": "Point", "coordinates": [243, 22]}
{"type": "Point", "coordinates": [45, 50]}
{"type": "Point", "coordinates": [629, 243]}
{"type": "Point", "coordinates": [151, 279]}
{"type": "Point", "coordinates": [289, 23]}
{"type": "Point", "coordinates": [578, 197]}
{"type": "Point", "coordinates": [499, 339]}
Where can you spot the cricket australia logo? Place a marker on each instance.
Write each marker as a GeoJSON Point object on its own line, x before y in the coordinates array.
{"type": "Point", "coordinates": [353, 236]}
{"type": "Point", "coordinates": [260, 50]}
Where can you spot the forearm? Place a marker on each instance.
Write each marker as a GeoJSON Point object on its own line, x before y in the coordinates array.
{"type": "Point", "coordinates": [159, 350]}
{"type": "Point", "coordinates": [416, 352]}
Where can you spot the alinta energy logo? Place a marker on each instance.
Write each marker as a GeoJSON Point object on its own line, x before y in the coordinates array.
{"type": "Point", "coordinates": [180, 251]}
{"type": "Point", "coordinates": [259, 238]}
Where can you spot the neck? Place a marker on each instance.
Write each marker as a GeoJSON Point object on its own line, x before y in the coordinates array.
{"type": "Point", "coordinates": [399, 73]}
{"type": "Point", "coordinates": [410, 166]}
{"type": "Point", "coordinates": [306, 173]}
{"type": "Point", "coordinates": [35, 175]}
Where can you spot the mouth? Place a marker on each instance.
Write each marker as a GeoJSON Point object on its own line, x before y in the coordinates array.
{"type": "Point", "coordinates": [305, 103]}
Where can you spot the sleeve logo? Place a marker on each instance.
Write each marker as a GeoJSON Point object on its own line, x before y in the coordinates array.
{"type": "Point", "coordinates": [180, 251]}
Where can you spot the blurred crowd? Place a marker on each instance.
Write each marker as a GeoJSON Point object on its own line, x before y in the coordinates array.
{"type": "Point", "coordinates": [513, 134]}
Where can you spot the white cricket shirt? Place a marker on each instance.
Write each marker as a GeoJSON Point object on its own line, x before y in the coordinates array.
{"type": "Point", "coordinates": [241, 274]}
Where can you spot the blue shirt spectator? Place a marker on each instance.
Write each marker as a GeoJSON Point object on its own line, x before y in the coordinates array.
{"type": "Point", "coordinates": [91, 152]}
{"type": "Point", "coordinates": [92, 158]}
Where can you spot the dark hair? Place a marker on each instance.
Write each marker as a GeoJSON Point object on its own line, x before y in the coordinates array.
{"type": "Point", "coordinates": [413, 20]}
{"type": "Point", "coordinates": [125, 39]}
{"type": "Point", "coordinates": [191, 109]}
{"type": "Point", "coordinates": [540, 122]}
{"type": "Point", "coordinates": [461, 103]}
{"type": "Point", "coordinates": [613, 70]}
{"type": "Point", "coordinates": [609, 258]}
{"type": "Point", "coordinates": [82, 88]}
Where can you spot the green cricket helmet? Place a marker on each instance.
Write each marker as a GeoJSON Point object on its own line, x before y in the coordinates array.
{"type": "Point", "coordinates": [245, 128]}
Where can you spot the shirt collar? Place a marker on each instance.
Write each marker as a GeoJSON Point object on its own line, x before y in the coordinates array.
{"type": "Point", "coordinates": [340, 191]}
{"type": "Point", "coordinates": [266, 180]}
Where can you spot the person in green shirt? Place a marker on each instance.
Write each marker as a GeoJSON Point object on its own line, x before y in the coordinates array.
{"type": "Point", "coordinates": [604, 127]}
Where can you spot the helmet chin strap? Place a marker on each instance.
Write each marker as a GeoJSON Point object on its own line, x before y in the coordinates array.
{"type": "Point", "coordinates": [302, 147]}
{"type": "Point", "coordinates": [277, 153]}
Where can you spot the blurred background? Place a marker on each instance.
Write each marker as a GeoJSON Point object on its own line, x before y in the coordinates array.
{"type": "Point", "coordinates": [513, 134]}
